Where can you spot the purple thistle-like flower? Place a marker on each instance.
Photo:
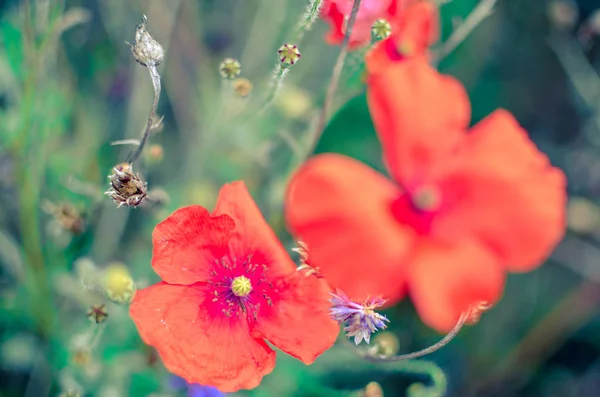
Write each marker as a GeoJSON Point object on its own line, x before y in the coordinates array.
{"type": "Point", "coordinates": [360, 320]}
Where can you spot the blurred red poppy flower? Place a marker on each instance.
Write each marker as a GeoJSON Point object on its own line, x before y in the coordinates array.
{"type": "Point", "coordinates": [228, 286]}
{"type": "Point", "coordinates": [337, 12]}
{"type": "Point", "coordinates": [462, 207]}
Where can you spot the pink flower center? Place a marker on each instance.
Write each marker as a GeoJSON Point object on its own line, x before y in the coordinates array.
{"type": "Point", "coordinates": [418, 208]}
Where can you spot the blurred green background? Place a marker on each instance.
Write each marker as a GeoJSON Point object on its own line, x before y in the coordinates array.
{"type": "Point", "coordinates": [69, 86]}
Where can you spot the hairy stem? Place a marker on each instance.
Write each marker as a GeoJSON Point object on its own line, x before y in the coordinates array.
{"type": "Point", "coordinates": [335, 78]}
{"type": "Point", "coordinates": [151, 117]}
{"type": "Point", "coordinates": [420, 353]}
{"type": "Point", "coordinates": [483, 10]}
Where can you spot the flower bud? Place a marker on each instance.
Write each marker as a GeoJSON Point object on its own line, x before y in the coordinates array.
{"type": "Point", "coordinates": [230, 68]}
{"type": "Point", "coordinates": [373, 389]}
{"type": "Point", "coordinates": [387, 343]}
{"type": "Point", "coordinates": [146, 51]}
{"type": "Point", "coordinates": [70, 393]}
{"type": "Point", "coordinates": [381, 29]}
{"type": "Point", "coordinates": [127, 189]}
{"type": "Point", "coordinates": [97, 314]}
{"type": "Point", "coordinates": [289, 54]}
{"type": "Point", "coordinates": [242, 87]}
{"type": "Point", "coordinates": [118, 284]}
{"type": "Point", "coordinates": [155, 153]}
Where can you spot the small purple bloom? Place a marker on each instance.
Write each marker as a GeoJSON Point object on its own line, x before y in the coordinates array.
{"type": "Point", "coordinates": [193, 389]}
{"type": "Point", "coordinates": [360, 320]}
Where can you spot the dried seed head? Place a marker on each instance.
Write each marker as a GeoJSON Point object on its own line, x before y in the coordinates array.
{"type": "Point", "coordinates": [126, 188]}
{"type": "Point", "coordinates": [66, 215]}
{"type": "Point", "coordinates": [289, 54]}
{"type": "Point", "coordinates": [381, 29]}
{"type": "Point", "coordinates": [242, 87]}
{"type": "Point", "coordinates": [118, 283]}
{"type": "Point", "coordinates": [146, 51]}
{"type": "Point", "coordinates": [230, 68]}
{"type": "Point", "coordinates": [97, 314]}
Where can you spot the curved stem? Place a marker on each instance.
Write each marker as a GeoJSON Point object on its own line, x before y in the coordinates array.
{"type": "Point", "coordinates": [335, 78]}
{"type": "Point", "coordinates": [483, 10]}
{"type": "Point", "coordinates": [420, 353]}
{"type": "Point", "coordinates": [156, 85]}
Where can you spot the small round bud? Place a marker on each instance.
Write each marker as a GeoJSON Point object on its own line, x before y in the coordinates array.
{"type": "Point", "coordinates": [242, 87]}
{"type": "Point", "coordinates": [126, 188]}
{"type": "Point", "coordinates": [155, 153]}
{"type": "Point", "coordinates": [381, 29]}
{"type": "Point", "coordinates": [146, 51]}
{"type": "Point", "coordinates": [373, 389]}
{"type": "Point", "coordinates": [387, 343]}
{"type": "Point", "coordinates": [230, 68]}
{"type": "Point", "coordinates": [70, 393]}
{"type": "Point", "coordinates": [289, 54]}
{"type": "Point", "coordinates": [97, 314]}
{"type": "Point", "coordinates": [118, 284]}
{"type": "Point", "coordinates": [241, 286]}
{"type": "Point", "coordinates": [81, 356]}
{"type": "Point", "coordinates": [563, 14]}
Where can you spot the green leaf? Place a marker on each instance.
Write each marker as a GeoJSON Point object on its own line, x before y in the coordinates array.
{"type": "Point", "coordinates": [12, 41]}
{"type": "Point", "coordinates": [351, 132]}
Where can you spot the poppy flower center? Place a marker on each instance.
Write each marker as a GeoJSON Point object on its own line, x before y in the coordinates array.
{"type": "Point", "coordinates": [241, 286]}
{"type": "Point", "coordinates": [426, 199]}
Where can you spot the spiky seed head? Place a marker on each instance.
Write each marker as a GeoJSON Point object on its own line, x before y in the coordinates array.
{"type": "Point", "coordinates": [146, 51]}
{"type": "Point", "coordinates": [289, 54]}
{"type": "Point", "coordinates": [381, 29]}
{"type": "Point", "coordinates": [126, 188]}
{"type": "Point", "coordinates": [230, 68]}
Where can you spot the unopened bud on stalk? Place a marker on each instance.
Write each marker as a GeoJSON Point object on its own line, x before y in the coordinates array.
{"type": "Point", "coordinates": [146, 51]}
{"type": "Point", "coordinates": [387, 343]}
{"type": "Point", "coordinates": [118, 283]}
{"type": "Point", "coordinates": [381, 29]}
{"type": "Point", "coordinates": [242, 87]}
{"type": "Point", "coordinates": [126, 188]}
{"type": "Point", "coordinates": [230, 68]}
{"type": "Point", "coordinates": [289, 54]}
{"type": "Point", "coordinates": [97, 314]}
{"type": "Point", "coordinates": [373, 389]}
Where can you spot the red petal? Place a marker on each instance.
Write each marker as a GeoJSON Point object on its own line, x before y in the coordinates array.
{"type": "Point", "coordinates": [342, 209]}
{"type": "Point", "coordinates": [298, 322]}
{"type": "Point", "coordinates": [213, 350]}
{"type": "Point", "coordinates": [412, 33]}
{"type": "Point", "coordinates": [445, 280]}
{"type": "Point", "coordinates": [419, 115]}
{"type": "Point", "coordinates": [252, 234]}
{"type": "Point", "coordinates": [187, 243]}
{"type": "Point", "coordinates": [505, 193]}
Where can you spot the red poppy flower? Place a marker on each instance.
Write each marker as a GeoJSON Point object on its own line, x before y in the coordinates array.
{"type": "Point", "coordinates": [336, 12]}
{"type": "Point", "coordinates": [228, 286]}
{"type": "Point", "coordinates": [463, 207]}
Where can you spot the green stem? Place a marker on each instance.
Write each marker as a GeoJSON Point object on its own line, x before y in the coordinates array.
{"type": "Point", "coordinates": [335, 78]}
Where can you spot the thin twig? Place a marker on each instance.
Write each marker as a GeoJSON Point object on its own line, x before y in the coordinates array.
{"type": "Point", "coordinates": [484, 9]}
{"type": "Point", "coordinates": [335, 78]}
{"type": "Point", "coordinates": [369, 356]}
{"type": "Point", "coordinates": [156, 85]}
